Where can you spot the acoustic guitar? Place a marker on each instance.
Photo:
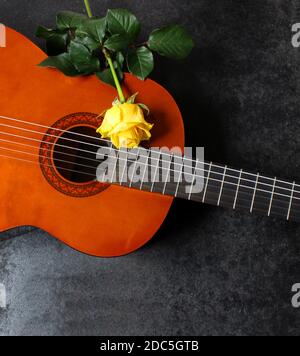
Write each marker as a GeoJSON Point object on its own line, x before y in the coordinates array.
{"type": "Point", "coordinates": [48, 162]}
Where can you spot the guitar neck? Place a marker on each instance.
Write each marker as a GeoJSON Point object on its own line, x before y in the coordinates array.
{"type": "Point", "coordinates": [240, 190]}
{"type": "Point", "coordinates": [230, 188]}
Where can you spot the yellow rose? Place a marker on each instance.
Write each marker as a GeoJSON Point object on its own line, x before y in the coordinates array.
{"type": "Point", "coordinates": [125, 125]}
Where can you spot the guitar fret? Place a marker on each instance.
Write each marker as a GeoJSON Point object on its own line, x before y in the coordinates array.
{"type": "Point", "coordinates": [290, 203]}
{"type": "Point", "coordinates": [179, 180]}
{"type": "Point", "coordinates": [145, 170]}
{"type": "Point", "coordinates": [237, 189]}
{"type": "Point", "coordinates": [122, 177]}
{"type": "Point", "coordinates": [222, 185]}
{"type": "Point", "coordinates": [272, 197]}
{"type": "Point", "coordinates": [207, 180]}
{"type": "Point", "coordinates": [193, 180]}
{"type": "Point", "coordinates": [229, 188]}
{"type": "Point", "coordinates": [214, 185]}
{"type": "Point", "coordinates": [167, 177]}
{"type": "Point", "coordinates": [265, 195]}
{"type": "Point", "coordinates": [155, 172]}
{"type": "Point", "coordinates": [114, 170]}
{"type": "Point", "coordinates": [254, 194]}
{"type": "Point", "coordinates": [295, 206]}
{"type": "Point", "coordinates": [124, 170]}
{"type": "Point", "coordinates": [109, 155]}
{"type": "Point", "coordinates": [134, 166]}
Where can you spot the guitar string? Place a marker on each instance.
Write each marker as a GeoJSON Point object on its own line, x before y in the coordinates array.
{"type": "Point", "coordinates": [38, 155]}
{"type": "Point", "coordinates": [187, 172]}
{"type": "Point", "coordinates": [18, 151]}
{"type": "Point", "coordinates": [145, 164]}
{"type": "Point", "coordinates": [187, 159]}
{"type": "Point", "coordinates": [242, 206]}
{"type": "Point", "coordinates": [142, 156]}
{"type": "Point", "coordinates": [48, 150]}
{"type": "Point", "coordinates": [163, 153]}
{"type": "Point", "coordinates": [94, 160]}
{"type": "Point", "coordinates": [225, 194]}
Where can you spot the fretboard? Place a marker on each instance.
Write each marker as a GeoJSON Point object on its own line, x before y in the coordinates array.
{"type": "Point", "coordinates": [255, 193]}
{"type": "Point", "coordinates": [223, 186]}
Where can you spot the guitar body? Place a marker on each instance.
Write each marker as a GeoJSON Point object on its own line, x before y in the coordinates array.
{"type": "Point", "coordinates": [94, 218]}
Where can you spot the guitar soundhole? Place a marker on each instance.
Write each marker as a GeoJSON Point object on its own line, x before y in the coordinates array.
{"type": "Point", "coordinates": [68, 155]}
{"type": "Point", "coordinates": [74, 154]}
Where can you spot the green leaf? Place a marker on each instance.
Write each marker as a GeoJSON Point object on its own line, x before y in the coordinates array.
{"type": "Point", "coordinates": [131, 99]}
{"type": "Point", "coordinates": [145, 108]}
{"type": "Point", "coordinates": [79, 53]}
{"type": "Point", "coordinates": [119, 70]}
{"type": "Point", "coordinates": [107, 77]}
{"type": "Point", "coordinates": [86, 40]}
{"type": "Point", "coordinates": [140, 62]}
{"type": "Point", "coordinates": [94, 28]}
{"type": "Point", "coordinates": [43, 32]}
{"type": "Point", "coordinates": [56, 40]}
{"type": "Point", "coordinates": [69, 19]}
{"type": "Point", "coordinates": [120, 59]}
{"type": "Point", "coordinates": [57, 44]}
{"type": "Point", "coordinates": [117, 42]}
{"type": "Point", "coordinates": [82, 58]}
{"type": "Point", "coordinates": [116, 102]}
{"type": "Point", "coordinates": [118, 65]}
{"type": "Point", "coordinates": [171, 41]}
{"type": "Point", "coordinates": [63, 63]}
{"type": "Point", "coordinates": [121, 21]}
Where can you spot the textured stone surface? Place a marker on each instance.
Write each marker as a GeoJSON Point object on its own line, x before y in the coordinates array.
{"type": "Point", "coordinates": [208, 271]}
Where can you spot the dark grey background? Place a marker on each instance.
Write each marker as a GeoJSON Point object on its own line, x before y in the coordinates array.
{"type": "Point", "coordinates": [208, 270]}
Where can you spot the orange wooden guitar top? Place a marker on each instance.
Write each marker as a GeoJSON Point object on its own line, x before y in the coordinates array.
{"type": "Point", "coordinates": [113, 222]}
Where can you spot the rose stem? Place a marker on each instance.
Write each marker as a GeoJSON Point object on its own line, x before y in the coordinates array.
{"type": "Point", "coordinates": [88, 8]}
{"type": "Point", "coordinates": [109, 60]}
{"type": "Point", "coordinates": [114, 74]}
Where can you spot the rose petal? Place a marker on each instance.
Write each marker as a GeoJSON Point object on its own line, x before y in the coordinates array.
{"type": "Point", "coordinates": [125, 125]}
